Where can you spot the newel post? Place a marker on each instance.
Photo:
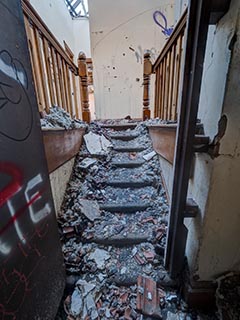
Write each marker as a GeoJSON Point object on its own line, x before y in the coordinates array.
{"type": "Point", "coordinates": [147, 71]}
{"type": "Point", "coordinates": [83, 74]}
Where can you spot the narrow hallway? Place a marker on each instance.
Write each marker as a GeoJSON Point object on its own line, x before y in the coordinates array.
{"type": "Point", "coordinates": [113, 228]}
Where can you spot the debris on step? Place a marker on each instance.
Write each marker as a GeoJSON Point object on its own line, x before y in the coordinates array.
{"type": "Point", "coordinates": [86, 163]}
{"type": "Point", "coordinates": [99, 256]}
{"type": "Point", "coordinates": [96, 144]}
{"type": "Point", "coordinates": [58, 118]}
{"type": "Point", "coordinates": [90, 209]}
{"type": "Point", "coordinates": [83, 300]}
{"type": "Point", "coordinates": [228, 296]}
{"type": "Point", "coordinates": [149, 156]}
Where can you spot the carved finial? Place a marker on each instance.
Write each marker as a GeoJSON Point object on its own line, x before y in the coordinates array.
{"type": "Point", "coordinates": [82, 56]}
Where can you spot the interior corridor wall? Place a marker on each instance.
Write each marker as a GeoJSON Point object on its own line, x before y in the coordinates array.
{"type": "Point", "coordinates": [213, 239]}
{"type": "Point", "coordinates": [120, 32]}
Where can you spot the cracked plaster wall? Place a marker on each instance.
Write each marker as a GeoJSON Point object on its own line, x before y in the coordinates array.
{"type": "Point", "coordinates": [120, 33]}
{"type": "Point", "coordinates": [213, 240]}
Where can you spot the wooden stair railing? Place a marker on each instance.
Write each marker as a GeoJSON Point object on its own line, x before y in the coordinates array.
{"type": "Point", "coordinates": [55, 75]}
{"type": "Point", "coordinates": [147, 70]}
{"type": "Point", "coordinates": [83, 74]}
{"type": "Point", "coordinates": [167, 69]}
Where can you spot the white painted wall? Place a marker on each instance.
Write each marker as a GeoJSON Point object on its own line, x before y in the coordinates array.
{"type": "Point", "coordinates": [75, 32]}
{"type": "Point", "coordinates": [213, 240]}
{"type": "Point", "coordinates": [120, 33]}
{"type": "Point", "coordinates": [214, 237]}
{"type": "Point", "coordinates": [181, 5]}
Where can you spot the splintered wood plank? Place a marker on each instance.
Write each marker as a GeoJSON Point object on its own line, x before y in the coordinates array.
{"type": "Point", "coordinates": [148, 299]}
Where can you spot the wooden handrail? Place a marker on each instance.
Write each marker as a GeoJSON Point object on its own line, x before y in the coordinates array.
{"type": "Point", "coordinates": [178, 30]}
{"type": "Point", "coordinates": [55, 75]}
{"type": "Point", "coordinates": [167, 68]}
{"type": "Point", "coordinates": [32, 14]}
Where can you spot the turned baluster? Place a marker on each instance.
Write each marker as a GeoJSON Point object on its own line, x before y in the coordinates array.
{"type": "Point", "coordinates": [83, 74]}
{"type": "Point", "coordinates": [147, 71]}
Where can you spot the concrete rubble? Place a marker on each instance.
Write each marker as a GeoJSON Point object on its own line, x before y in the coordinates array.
{"type": "Point", "coordinates": [113, 233]}
{"type": "Point", "coordinates": [96, 144]}
{"type": "Point", "coordinates": [58, 118]}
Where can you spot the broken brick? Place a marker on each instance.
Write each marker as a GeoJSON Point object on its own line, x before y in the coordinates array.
{"type": "Point", "coordinates": [149, 255]}
{"type": "Point", "coordinates": [147, 298]}
{"type": "Point", "coordinates": [127, 313]}
{"type": "Point", "coordinates": [139, 259]}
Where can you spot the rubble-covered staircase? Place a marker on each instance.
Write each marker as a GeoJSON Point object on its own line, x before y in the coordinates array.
{"type": "Point", "coordinates": [113, 228]}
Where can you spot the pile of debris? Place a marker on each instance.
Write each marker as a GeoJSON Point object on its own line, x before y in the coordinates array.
{"type": "Point", "coordinates": [59, 118]}
{"type": "Point", "coordinates": [228, 297]}
{"type": "Point", "coordinates": [113, 227]}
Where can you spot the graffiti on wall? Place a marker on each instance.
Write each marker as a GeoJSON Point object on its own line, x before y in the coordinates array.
{"type": "Point", "coordinates": [161, 20]}
{"type": "Point", "coordinates": [31, 194]}
{"type": "Point", "coordinates": [14, 98]}
{"type": "Point", "coordinates": [139, 53]}
{"type": "Point", "coordinates": [28, 227]}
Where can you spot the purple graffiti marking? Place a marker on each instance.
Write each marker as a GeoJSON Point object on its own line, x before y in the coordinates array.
{"type": "Point", "coordinates": [165, 30]}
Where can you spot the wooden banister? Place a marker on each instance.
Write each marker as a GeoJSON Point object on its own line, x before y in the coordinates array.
{"type": "Point", "coordinates": [54, 71]}
{"type": "Point", "coordinates": [147, 70]}
{"type": "Point", "coordinates": [167, 69]}
{"type": "Point", "coordinates": [37, 21]}
{"type": "Point", "coordinates": [83, 74]}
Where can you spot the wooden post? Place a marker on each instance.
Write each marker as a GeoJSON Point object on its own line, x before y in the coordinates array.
{"type": "Point", "coordinates": [147, 70]}
{"type": "Point", "coordinates": [83, 74]}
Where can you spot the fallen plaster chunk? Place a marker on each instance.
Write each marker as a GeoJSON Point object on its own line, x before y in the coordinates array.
{"type": "Point", "coordinates": [86, 163]}
{"type": "Point", "coordinates": [172, 316]}
{"type": "Point", "coordinates": [90, 209]}
{"type": "Point", "coordinates": [96, 144]}
{"type": "Point", "coordinates": [149, 156]}
{"type": "Point", "coordinates": [105, 143]}
{"type": "Point", "coordinates": [76, 303]}
{"type": "Point", "coordinates": [100, 256]}
{"type": "Point", "coordinates": [83, 300]}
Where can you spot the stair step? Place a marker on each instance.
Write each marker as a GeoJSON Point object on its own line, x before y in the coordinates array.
{"type": "Point", "coordinates": [162, 279]}
{"type": "Point", "coordinates": [128, 164]}
{"type": "Point", "coordinates": [124, 208]}
{"type": "Point", "coordinates": [120, 240]}
{"type": "Point", "coordinates": [129, 148]}
{"type": "Point", "coordinates": [131, 184]}
{"type": "Point", "coordinates": [124, 137]}
{"type": "Point", "coordinates": [120, 127]}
